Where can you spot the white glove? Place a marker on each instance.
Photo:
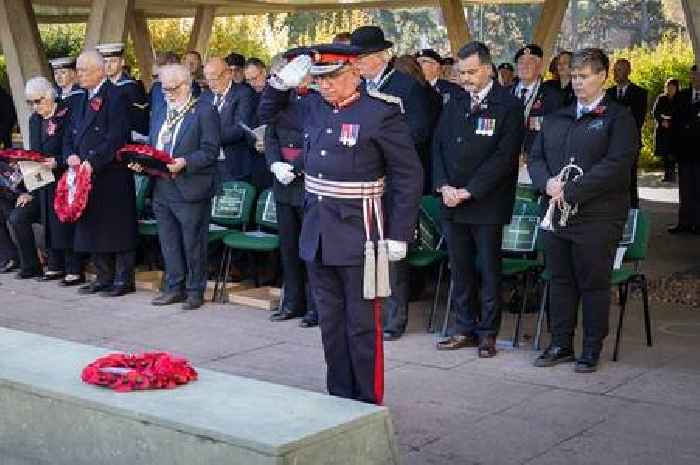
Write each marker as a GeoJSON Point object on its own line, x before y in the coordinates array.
{"type": "Point", "coordinates": [284, 172]}
{"type": "Point", "coordinates": [292, 74]}
{"type": "Point", "coordinates": [396, 249]}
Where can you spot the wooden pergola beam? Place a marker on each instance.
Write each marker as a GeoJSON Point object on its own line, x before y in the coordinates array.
{"type": "Point", "coordinates": [143, 47]}
{"type": "Point", "coordinates": [691, 9]}
{"type": "Point", "coordinates": [107, 21]}
{"type": "Point", "coordinates": [549, 25]}
{"type": "Point", "coordinates": [456, 24]}
{"type": "Point", "coordinates": [201, 29]}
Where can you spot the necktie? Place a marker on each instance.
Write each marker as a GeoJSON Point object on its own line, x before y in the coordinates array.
{"type": "Point", "coordinates": [696, 96]}
{"type": "Point", "coordinates": [371, 86]}
{"type": "Point", "coordinates": [620, 93]}
{"type": "Point", "coordinates": [583, 111]}
{"type": "Point", "coordinates": [523, 95]}
{"type": "Point", "coordinates": [217, 101]}
{"type": "Point", "coordinates": [475, 103]}
{"type": "Point", "coordinates": [168, 142]}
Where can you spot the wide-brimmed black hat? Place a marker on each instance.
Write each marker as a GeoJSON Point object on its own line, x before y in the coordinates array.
{"type": "Point", "coordinates": [369, 39]}
{"type": "Point", "coordinates": [529, 49]}
{"type": "Point", "coordinates": [329, 58]}
{"type": "Point", "coordinates": [429, 53]}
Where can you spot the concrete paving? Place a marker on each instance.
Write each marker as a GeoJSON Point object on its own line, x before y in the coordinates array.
{"type": "Point", "coordinates": [448, 408]}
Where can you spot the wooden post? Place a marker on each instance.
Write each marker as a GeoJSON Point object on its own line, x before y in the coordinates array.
{"type": "Point", "coordinates": [143, 48]}
{"type": "Point", "coordinates": [201, 29]}
{"type": "Point", "coordinates": [107, 21]}
{"type": "Point", "coordinates": [549, 25]}
{"type": "Point", "coordinates": [24, 54]}
{"type": "Point", "coordinates": [456, 24]}
{"type": "Point", "coordinates": [691, 9]}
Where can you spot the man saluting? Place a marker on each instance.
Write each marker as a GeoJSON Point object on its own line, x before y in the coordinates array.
{"type": "Point", "coordinates": [352, 140]}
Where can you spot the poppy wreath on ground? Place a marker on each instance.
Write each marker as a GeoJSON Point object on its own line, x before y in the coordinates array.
{"type": "Point", "coordinates": [135, 372]}
{"type": "Point", "coordinates": [153, 161]}
{"type": "Point", "coordinates": [72, 192]}
{"type": "Point", "coordinates": [22, 155]}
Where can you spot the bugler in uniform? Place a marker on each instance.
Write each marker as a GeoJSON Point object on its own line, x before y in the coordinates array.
{"type": "Point", "coordinates": [352, 140]}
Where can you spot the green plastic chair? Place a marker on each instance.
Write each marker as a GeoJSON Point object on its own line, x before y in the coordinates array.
{"type": "Point", "coordinates": [428, 249]}
{"type": "Point", "coordinates": [627, 275]}
{"type": "Point", "coordinates": [259, 241]}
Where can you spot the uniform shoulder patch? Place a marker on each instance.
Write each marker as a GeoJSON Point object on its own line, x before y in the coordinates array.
{"type": "Point", "coordinates": [387, 98]}
{"type": "Point", "coordinates": [76, 92]}
{"type": "Point", "coordinates": [140, 106]}
{"type": "Point", "coordinates": [125, 82]}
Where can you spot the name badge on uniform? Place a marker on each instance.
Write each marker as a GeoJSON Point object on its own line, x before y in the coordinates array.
{"type": "Point", "coordinates": [534, 123]}
{"type": "Point", "coordinates": [349, 134]}
{"type": "Point", "coordinates": [485, 126]}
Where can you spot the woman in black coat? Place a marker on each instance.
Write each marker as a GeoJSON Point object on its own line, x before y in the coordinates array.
{"type": "Point", "coordinates": [46, 126]}
{"type": "Point", "coordinates": [664, 107]}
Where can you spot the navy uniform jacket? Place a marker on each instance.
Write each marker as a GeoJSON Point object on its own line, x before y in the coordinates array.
{"type": "Point", "coordinates": [71, 98]}
{"type": "Point", "coordinates": [136, 101]}
{"type": "Point", "coordinates": [447, 90]}
{"type": "Point", "coordinates": [686, 125]}
{"type": "Point", "coordinates": [483, 164]}
{"type": "Point", "coordinates": [108, 223]}
{"type": "Point", "coordinates": [549, 99]}
{"type": "Point", "coordinates": [58, 235]}
{"type": "Point", "coordinates": [237, 107]}
{"type": "Point", "coordinates": [197, 141]}
{"type": "Point", "coordinates": [285, 133]}
{"type": "Point", "coordinates": [384, 148]}
{"type": "Point", "coordinates": [635, 99]}
{"type": "Point", "coordinates": [603, 143]}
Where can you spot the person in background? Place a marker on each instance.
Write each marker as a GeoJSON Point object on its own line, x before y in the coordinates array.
{"type": "Point", "coordinates": [66, 80]}
{"type": "Point", "coordinates": [236, 62]}
{"type": "Point", "coordinates": [193, 62]}
{"type": "Point", "coordinates": [447, 70]}
{"type": "Point", "coordinates": [8, 118]}
{"type": "Point", "coordinates": [562, 80]}
{"type": "Point", "coordinates": [256, 78]}
{"type": "Point", "coordinates": [256, 74]}
{"type": "Point", "coordinates": [429, 61]}
{"type": "Point", "coordinates": [506, 75]}
{"type": "Point", "coordinates": [664, 144]}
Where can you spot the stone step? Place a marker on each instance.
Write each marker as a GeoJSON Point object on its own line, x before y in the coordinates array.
{"type": "Point", "coordinates": [50, 417]}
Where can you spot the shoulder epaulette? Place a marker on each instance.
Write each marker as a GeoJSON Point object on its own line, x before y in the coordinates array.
{"type": "Point", "coordinates": [387, 98]}
{"type": "Point", "coordinates": [140, 106]}
{"type": "Point", "coordinates": [125, 82]}
{"type": "Point", "coordinates": [76, 92]}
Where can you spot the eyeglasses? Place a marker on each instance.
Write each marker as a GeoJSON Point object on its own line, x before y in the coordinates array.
{"type": "Point", "coordinates": [173, 88]}
{"type": "Point", "coordinates": [31, 102]}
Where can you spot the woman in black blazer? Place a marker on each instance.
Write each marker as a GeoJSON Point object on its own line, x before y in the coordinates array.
{"type": "Point", "coordinates": [663, 111]}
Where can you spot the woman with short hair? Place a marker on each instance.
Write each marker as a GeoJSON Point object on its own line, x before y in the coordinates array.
{"type": "Point", "coordinates": [664, 108]}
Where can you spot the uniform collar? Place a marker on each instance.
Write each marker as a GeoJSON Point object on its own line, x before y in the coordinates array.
{"type": "Point", "coordinates": [481, 95]}
{"type": "Point", "coordinates": [585, 109]}
{"type": "Point", "coordinates": [348, 101]}
{"type": "Point", "coordinates": [97, 89]}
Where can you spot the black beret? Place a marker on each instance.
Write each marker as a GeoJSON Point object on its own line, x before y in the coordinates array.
{"type": "Point", "coordinates": [530, 49]}
{"type": "Point", "coordinates": [429, 53]}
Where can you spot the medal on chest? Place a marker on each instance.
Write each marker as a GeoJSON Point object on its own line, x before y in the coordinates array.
{"type": "Point", "coordinates": [534, 123]}
{"type": "Point", "coordinates": [485, 126]}
{"type": "Point", "coordinates": [50, 128]}
{"type": "Point", "coordinates": [349, 134]}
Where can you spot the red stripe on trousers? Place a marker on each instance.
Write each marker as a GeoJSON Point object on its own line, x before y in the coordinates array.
{"type": "Point", "coordinates": [378, 353]}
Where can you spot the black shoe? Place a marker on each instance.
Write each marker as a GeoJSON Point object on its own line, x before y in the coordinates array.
{"type": "Point", "coordinates": [679, 229]}
{"type": "Point", "coordinates": [9, 266]}
{"type": "Point", "coordinates": [554, 355]}
{"type": "Point", "coordinates": [93, 288]}
{"type": "Point", "coordinates": [392, 336]}
{"type": "Point", "coordinates": [168, 298]}
{"type": "Point", "coordinates": [696, 230]}
{"type": "Point", "coordinates": [308, 322]}
{"type": "Point", "coordinates": [284, 315]}
{"type": "Point", "coordinates": [72, 280]}
{"type": "Point", "coordinates": [118, 291]}
{"type": "Point", "coordinates": [28, 274]}
{"type": "Point", "coordinates": [51, 276]}
{"type": "Point", "coordinates": [587, 362]}
{"type": "Point", "coordinates": [193, 303]}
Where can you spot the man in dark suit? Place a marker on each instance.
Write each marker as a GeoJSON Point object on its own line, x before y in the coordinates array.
{"type": "Point", "coordinates": [354, 140]}
{"type": "Point", "coordinates": [133, 92]}
{"type": "Point", "coordinates": [536, 97]}
{"type": "Point", "coordinates": [188, 129]}
{"type": "Point", "coordinates": [633, 97]}
{"type": "Point", "coordinates": [687, 134]}
{"type": "Point", "coordinates": [475, 155]}
{"type": "Point", "coordinates": [107, 228]}
{"type": "Point", "coordinates": [601, 137]}
{"type": "Point", "coordinates": [376, 67]}
{"type": "Point", "coordinates": [429, 61]}
{"type": "Point", "coordinates": [234, 103]}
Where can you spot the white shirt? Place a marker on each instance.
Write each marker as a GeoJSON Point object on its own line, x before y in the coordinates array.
{"type": "Point", "coordinates": [481, 95]}
{"type": "Point", "coordinates": [378, 78]}
{"type": "Point", "coordinates": [582, 109]}
{"type": "Point", "coordinates": [223, 97]}
{"type": "Point", "coordinates": [519, 89]}
{"type": "Point", "coordinates": [696, 95]}
{"type": "Point", "coordinates": [95, 91]}
{"type": "Point", "coordinates": [622, 90]}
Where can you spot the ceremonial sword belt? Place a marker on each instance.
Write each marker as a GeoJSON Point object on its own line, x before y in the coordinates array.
{"type": "Point", "coordinates": [375, 282]}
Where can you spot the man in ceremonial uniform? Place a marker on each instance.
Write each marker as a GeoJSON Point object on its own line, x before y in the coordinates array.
{"type": "Point", "coordinates": [687, 134]}
{"type": "Point", "coordinates": [67, 89]}
{"type": "Point", "coordinates": [376, 67]}
{"type": "Point", "coordinates": [187, 129]}
{"type": "Point", "coordinates": [429, 61]}
{"type": "Point", "coordinates": [537, 98]}
{"type": "Point", "coordinates": [107, 227]}
{"type": "Point", "coordinates": [475, 155]}
{"type": "Point", "coordinates": [352, 141]}
{"type": "Point", "coordinates": [506, 74]}
{"type": "Point", "coordinates": [235, 105]}
{"type": "Point", "coordinates": [135, 95]}
{"type": "Point", "coordinates": [599, 136]}
{"type": "Point", "coordinates": [633, 97]}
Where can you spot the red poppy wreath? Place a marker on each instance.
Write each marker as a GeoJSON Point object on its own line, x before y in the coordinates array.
{"type": "Point", "coordinates": [152, 160]}
{"type": "Point", "coordinates": [135, 372]}
{"type": "Point", "coordinates": [72, 194]}
{"type": "Point", "coordinates": [22, 155]}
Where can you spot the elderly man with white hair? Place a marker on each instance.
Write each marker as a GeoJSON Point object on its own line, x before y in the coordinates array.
{"type": "Point", "coordinates": [107, 228]}
{"type": "Point", "coordinates": [46, 129]}
{"type": "Point", "coordinates": [188, 129]}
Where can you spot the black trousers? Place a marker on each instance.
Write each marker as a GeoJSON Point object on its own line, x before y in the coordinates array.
{"type": "Point", "coordinates": [351, 333]}
{"type": "Point", "coordinates": [580, 260]}
{"type": "Point", "coordinates": [8, 250]}
{"type": "Point", "coordinates": [395, 307]}
{"type": "Point", "coordinates": [475, 251]}
{"type": "Point", "coordinates": [298, 298]}
{"type": "Point", "coordinates": [115, 269]}
{"type": "Point", "coordinates": [689, 192]}
{"type": "Point", "coordinates": [183, 228]}
{"type": "Point", "coordinates": [21, 221]}
{"type": "Point", "coordinates": [65, 261]}
{"type": "Point", "coordinates": [634, 190]}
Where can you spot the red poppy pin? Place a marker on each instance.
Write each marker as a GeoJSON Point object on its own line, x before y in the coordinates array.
{"type": "Point", "coordinates": [51, 128]}
{"type": "Point", "coordinates": [96, 103]}
{"type": "Point", "coordinates": [61, 113]}
{"type": "Point", "coordinates": [599, 110]}
{"type": "Point", "coordinates": [537, 105]}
